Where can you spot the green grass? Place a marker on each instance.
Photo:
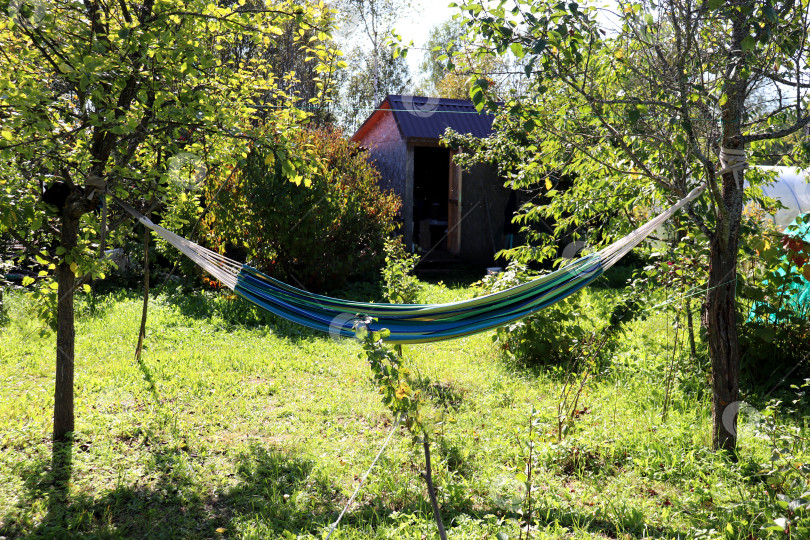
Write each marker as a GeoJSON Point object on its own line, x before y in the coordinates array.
{"type": "Point", "coordinates": [231, 427]}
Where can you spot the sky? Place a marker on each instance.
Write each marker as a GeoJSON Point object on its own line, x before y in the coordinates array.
{"type": "Point", "coordinates": [417, 27]}
{"type": "Point", "coordinates": [429, 13]}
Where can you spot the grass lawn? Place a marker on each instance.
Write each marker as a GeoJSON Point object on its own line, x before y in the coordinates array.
{"type": "Point", "coordinates": [230, 428]}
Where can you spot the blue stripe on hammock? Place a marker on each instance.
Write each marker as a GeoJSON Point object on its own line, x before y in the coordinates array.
{"type": "Point", "coordinates": [412, 327]}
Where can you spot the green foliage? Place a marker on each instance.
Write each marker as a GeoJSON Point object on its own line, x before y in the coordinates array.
{"type": "Point", "coordinates": [395, 383]}
{"type": "Point", "coordinates": [315, 217]}
{"type": "Point", "coordinates": [786, 474]}
{"type": "Point", "coordinates": [775, 315]}
{"type": "Point", "coordinates": [601, 107]}
{"type": "Point", "coordinates": [401, 286]}
{"type": "Point", "coordinates": [546, 338]}
{"type": "Point", "coordinates": [115, 94]}
{"type": "Point", "coordinates": [181, 217]}
{"type": "Point", "coordinates": [566, 336]}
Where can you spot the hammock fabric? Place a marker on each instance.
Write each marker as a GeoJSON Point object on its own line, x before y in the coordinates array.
{"type": "Point", "coordinates": [410, 323]}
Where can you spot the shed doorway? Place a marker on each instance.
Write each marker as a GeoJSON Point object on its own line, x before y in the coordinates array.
{"type": "Point", "coordinates": [435, 200]}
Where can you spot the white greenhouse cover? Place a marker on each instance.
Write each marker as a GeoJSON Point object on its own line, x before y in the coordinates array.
{"type": "Point", "coordinates": [792, 190]}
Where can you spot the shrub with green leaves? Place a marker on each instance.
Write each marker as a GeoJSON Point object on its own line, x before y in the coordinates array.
{"type": "Point", "coordinates": [315, 219]}
{"type": "Point", "coordinates": [571, 328]}
{"type": "Point", "coordinates": [775, 314]}
{"type": "Point", "coordinates": [545, 338]}
{"type": "Point", "coordinates": [401, 286]}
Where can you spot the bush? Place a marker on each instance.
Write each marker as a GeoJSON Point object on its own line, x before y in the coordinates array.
{"type": "Point", "coordinates": [547, 337]}
{"type": "Point", "coordinates": [315, 220]}
{"type": "Point", "coordinates": [562, 332]}
{"type": "Point", "coordinates": [401, 286]}
{"type": "Point", "coordinates": [775, 329]}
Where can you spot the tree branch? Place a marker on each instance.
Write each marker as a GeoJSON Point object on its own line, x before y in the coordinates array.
{"type": "Point", "coordinates": [745, 139]}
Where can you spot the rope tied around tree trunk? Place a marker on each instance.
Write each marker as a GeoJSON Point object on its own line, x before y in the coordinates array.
{"type": "Point", "coordinates": [733, 161]}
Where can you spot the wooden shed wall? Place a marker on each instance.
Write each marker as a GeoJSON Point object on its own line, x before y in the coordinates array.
{"type": "Point", "coordinates": [483, 201]}
{"type": "Point", "coordinates": [389, 152]}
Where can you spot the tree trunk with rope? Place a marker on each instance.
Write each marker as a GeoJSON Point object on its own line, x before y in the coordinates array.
{"type": "Point", "coordinates": [720, 315]}
{"type": "Point", "coordinates": [721, 304]}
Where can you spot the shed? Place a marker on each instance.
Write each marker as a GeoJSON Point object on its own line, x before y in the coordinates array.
{"type": "Point", "coordinates": [445, 210]}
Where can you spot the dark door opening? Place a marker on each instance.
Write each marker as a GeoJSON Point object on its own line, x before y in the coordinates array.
{"type": "Point", "coordinates": [431, 183]}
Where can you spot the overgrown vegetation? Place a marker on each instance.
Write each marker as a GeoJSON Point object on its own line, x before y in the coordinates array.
{"type": "Point", "coordinates": [401, 286]}
{"type": "Point", "coordinates": [601, 105]}
{"type": "Point", "coordinates": [775, 329]}
{"type": "Point", "coordinates": [236, 423]}
{"type": "Point", "coordinates": [329, 224]}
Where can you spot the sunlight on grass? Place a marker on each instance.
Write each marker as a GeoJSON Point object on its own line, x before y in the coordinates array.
{"type": "Point", "coordinates": [233, 427]}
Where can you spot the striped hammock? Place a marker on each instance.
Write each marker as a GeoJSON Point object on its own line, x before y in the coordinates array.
{"type": "Point", "coordinates": [410, 323]}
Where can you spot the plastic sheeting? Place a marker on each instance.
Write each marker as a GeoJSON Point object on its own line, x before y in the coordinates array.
{"type": "Point", "coordinates": [799, 291]}
{"type": "Point", "coordinates": [792, 190]}
{"type": "Point", "coordinates": [795, 294]}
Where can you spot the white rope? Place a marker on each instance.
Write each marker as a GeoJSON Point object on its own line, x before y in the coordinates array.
{"type": "Point", "coordinates": [615, 251]}
{"type": "Point", "coordinates": [733, 161]}
{"type": "Point", "coordinates": [362, 480]}
{"type": "Point", "coordinates": [224, 269]}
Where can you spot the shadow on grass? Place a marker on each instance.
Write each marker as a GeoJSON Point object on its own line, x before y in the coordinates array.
{"type": "Point", "coordinates": [237, 312]}
{"type": "Point", "coordinates": [272, 494]}
{"type": "Point", "coordinates": [234, 311]}
{"type": "Point", "coordinates": [47, 483]}
{"type": "Point", "coordinates": [172, 506]}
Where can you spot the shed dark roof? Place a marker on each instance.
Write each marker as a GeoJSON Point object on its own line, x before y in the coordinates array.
{"type": "Point", "coordinates": [420, 117]}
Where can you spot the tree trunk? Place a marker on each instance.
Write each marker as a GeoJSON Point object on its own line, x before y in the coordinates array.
{"type": "Point", "coordinates": [723, 345]}
{"type": "Point", "coordinates": [65, 332]}
{"type": "Point", "coordinates": [428, 476]}
{"type": "Point", "coordinates": [720, 314]}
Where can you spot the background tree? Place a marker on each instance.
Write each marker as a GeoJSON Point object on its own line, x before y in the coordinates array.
{"type": "Point", "coordinates": [94, 94]}
{"type": "Point", "coordinates": [287, 55]}
{"type": "Point", "coordinates": [645, 112]}
{"type": "Point", "coordinates": [357, 94]}
{"type": "Point", "coordinates": [375, 20]}
{"type": "Point", "coordinates": [442, 42]}
{"type": "Point", "coordinates": [453, 79]}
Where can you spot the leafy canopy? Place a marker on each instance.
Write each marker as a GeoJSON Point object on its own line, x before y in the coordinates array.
{"type": "Point", "coordinates": [115, 91]}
